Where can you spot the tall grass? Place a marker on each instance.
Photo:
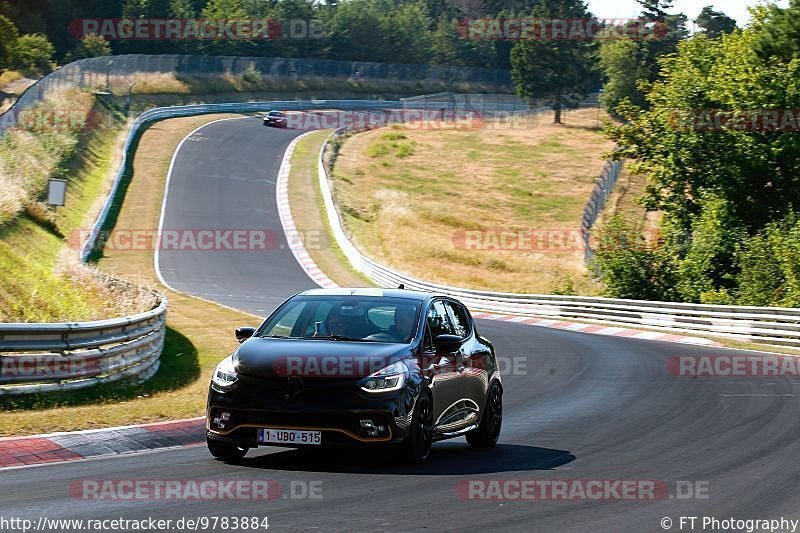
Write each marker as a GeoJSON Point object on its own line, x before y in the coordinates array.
{"type": "Point", "coordinates": [163, 83]}
{"type": "Point", "coordinates": [40, 148]}
{"type": "Point", "coordinates": [42, 279]}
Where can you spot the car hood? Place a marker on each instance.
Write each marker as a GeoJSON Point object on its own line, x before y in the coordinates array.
{"type": "Point", "coordinates": [315, 358]}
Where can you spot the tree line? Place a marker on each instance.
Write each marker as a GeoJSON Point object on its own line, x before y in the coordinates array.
{"type": "Point", "coordinates": [713, 126]}
{"type": "Point", "coordinates": [390, 31]}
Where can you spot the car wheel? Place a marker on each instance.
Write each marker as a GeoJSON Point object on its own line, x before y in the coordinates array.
{"type": "Point", "coordinates": [485, 436]}
{"type": "Point", "coordinates": [417, 446]}
{"type": "Point", "coordinates": [224, 451]}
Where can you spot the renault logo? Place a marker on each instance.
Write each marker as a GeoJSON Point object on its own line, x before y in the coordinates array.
{"type": "Point", "coordinates": [292, 388]}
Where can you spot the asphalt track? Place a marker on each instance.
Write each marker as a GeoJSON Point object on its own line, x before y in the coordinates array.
{"type": "Point", "coordinates": [583, 407]}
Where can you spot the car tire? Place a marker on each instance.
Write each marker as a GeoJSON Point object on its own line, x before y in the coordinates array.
{"type": "Point", "coordinates": [417, 447]}
{"type": "Point", "coordinates": [229, 453]}
{"type": "Point", "coordinates": [487, 433]}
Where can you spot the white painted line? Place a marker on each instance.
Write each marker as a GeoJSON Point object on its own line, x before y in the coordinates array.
{"type": "Point", "coordinates": [163, 214]}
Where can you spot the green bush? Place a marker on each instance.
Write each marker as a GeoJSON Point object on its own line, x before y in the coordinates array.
{"type": "Point", "coordinates": [32, 52]}
{"type": "Point", "coordinates": [629, 267]}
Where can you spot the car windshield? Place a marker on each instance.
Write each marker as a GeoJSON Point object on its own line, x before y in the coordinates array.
{"type": "Point", "coordinates": [351, 318]}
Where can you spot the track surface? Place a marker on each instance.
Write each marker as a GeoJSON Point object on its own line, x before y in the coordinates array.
{"type": "Point", "coordinates": [586, 407]}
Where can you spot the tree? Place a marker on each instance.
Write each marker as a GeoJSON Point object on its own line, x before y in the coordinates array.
{"type": "Point", "coordinates": [621, 64]}
{"type": "Point", "coordinates": [630, 65]}
{"type": "Point", "coordinates": [8, 35]}
{"type": "Point", "coordinates": [90, 46]}
{"type": "Point", "coordinates": [356, 32]}
{"type": "Point", "coordinates": [778, 31]}
{"type": "Point", "coordinates": [407, 28]}
{"type": "Point", "coordinates": [557, 69]}
{"type": "Point", "coordinates": [718, 181]}
{"type": "Point", "coordinates": [449, 48]}
{"type": "Point", "coordinates": [715, 23]}
{"type": "Point", "coordinates": [33, 52]}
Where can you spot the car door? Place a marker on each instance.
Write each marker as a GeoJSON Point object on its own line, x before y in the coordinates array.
{"type": "Point", "coordinates": [441, 368]}
{"type": "Point", "coordinates": [473, 362]}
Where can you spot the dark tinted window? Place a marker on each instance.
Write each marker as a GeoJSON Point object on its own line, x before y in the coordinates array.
{"type": "Point", "coordinates": [438, 320]}
{"type": "Point", "coordinates": [459, 318]}
{"type": "Point", "coordinates": [353, 317]}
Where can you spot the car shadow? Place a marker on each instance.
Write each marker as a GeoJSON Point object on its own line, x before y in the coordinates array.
{"type": "Point", "coordinates": [446, 459]}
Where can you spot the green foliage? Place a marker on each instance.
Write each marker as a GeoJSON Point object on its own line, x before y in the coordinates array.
{"type": "Point", "coordinates": [728, 195]}
{"type": "Point", "coordinates": [629, 267]}
{"type": "Point", "coordinates": [631, 66]}
{"type": "Point", "coordinates": [770, 266]}
{"type": "Point", "coordinates": [90, 46]}
{"type": "Point", "coordinates": [449, 48]}
{"type": "Point", "coordinates": [8, 34]}
{"type": "Point", "coordinates": [562, 71]}
{"type": "Point", "coordinates": [32, 52]}
{"type": "Point", "coordinates": [621, 65]}
{"type": "Point", "coordinates": [779, 31]}
{"type": "Point", "coordinates": [715, 23]}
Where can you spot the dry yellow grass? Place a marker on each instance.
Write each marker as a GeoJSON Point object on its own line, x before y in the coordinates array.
{"type": "Point", "coordinates": [199, 334]}
{"type": "Point", "coordinates": [624, 202]}
{"type": "Point", "coordinates": [409, 195]}
{"type": "Point", "coordinates": [308, 211]}
{"type": "Point", "coordinates": [31, 154]}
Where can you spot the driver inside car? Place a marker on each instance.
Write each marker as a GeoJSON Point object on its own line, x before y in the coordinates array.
{"type": "Point", "coordinates": [342, 325]}
{"type": "Point", "coordinates": [404, 318]}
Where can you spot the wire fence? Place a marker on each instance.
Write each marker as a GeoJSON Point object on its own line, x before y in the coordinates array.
{"type": "Point", "coordinates": [597, 202]}
{"type": "Point", "coordinates": [100, 73]}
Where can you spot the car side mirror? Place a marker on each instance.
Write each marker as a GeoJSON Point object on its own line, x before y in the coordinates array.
{"type": "Point", "coordinates": [447, 343]}
{"type": "Point", "coordinates": [242, 334]}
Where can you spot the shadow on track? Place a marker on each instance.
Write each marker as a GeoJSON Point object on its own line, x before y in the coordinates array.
{"type": "Point", "coordinates": [446, 459]}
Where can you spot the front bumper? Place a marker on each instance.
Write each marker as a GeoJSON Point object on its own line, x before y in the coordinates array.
{"type": "Point", "coordinates": [334, 408]}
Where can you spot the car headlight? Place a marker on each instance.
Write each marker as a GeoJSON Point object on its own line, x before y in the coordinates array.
{"type": "Point", "coordinates": [391, 378]}
{"type": "Point", "coordinates": [225, 373]}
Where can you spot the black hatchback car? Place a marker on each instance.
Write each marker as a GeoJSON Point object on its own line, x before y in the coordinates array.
{"type": "Point", "coordinates": [276, 119]}
{"type": "Point", "coordinates": [363, 367]}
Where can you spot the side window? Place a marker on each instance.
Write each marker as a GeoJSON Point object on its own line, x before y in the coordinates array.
{"type": "Point", "coordinates": [459, 319]}
{"type": "Point", "coordinates": [438, 320]}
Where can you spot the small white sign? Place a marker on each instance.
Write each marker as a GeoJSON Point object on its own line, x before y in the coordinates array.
{"type": "Point", "coordinates": [56, 192]}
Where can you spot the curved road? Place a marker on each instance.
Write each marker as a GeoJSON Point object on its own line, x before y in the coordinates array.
{"type": "Point", "coordinates": [579, 407]}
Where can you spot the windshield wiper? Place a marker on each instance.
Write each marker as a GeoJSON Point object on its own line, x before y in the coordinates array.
{"type": "Point", "coordinates": [340, 338]}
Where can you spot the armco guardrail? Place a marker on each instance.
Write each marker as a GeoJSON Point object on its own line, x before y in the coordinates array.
{"type": "Point", "coordinates": [67, 356]}
{"type": "Point", "coordinates": [50, 357]}
{"type": "Point", "coordinates": [238, 107]}
{"type": "Point", "coordinates": [779, 326]}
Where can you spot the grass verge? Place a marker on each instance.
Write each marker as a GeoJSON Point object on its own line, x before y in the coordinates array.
{"type": "Point", "coordinates": [43, 282]}
{"type": "Point", "coordinates": [308, 213]}
{"type": "Point", "coordinates": [394, 185]}
{"type": "Point", "coordinates": [199, 333]}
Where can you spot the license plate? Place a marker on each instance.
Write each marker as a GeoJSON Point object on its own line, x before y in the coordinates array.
{"type": "Point", "coordinates": [289, 436]}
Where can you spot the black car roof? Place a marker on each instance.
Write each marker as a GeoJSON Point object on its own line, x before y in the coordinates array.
{"type": "Point", "coordinates": [377, 292]}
